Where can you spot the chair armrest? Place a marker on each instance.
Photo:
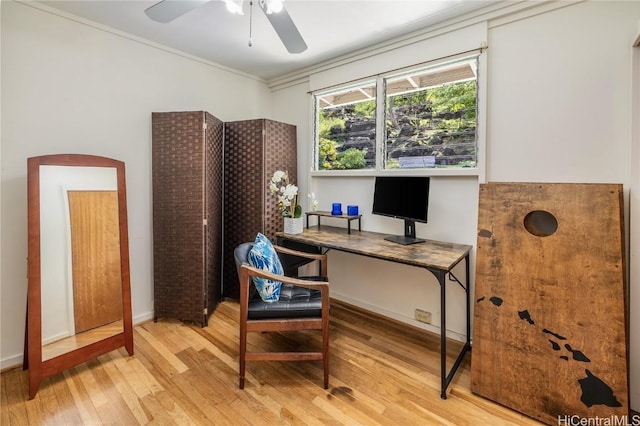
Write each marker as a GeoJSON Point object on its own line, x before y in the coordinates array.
{"type": "Point", "coordinates": [250, 271]}
{"type": "Point", "coordinates": [314, 256]}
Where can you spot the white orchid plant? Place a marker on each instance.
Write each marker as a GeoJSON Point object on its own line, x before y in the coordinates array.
{"type": "Point", "coordinates": [287, 194]}
{"type": "Point", "coordinates": [288, 201]}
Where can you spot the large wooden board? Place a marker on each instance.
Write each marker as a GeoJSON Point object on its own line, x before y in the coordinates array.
{"type": "Point", "coordinates": [549, 337]}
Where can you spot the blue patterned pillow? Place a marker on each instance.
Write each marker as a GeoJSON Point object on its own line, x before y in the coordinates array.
{"type": "Point", "coordinates": [264, 257]}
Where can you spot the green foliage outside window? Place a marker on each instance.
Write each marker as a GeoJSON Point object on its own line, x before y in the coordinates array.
{"type": "Point", "coordinates": [454, 98]}
{"type": "Point", "coordinates": [328, 155]}
{"type": "Point", "coordinates": [327, 122]}
{"type": "Point", "coordinates": [365, 109]}
{"type": "Point", "coordinates": [352, 158]}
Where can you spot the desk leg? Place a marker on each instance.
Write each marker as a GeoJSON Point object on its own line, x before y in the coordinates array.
{"type": "Point", "coordinates": [468, 290]}
{"type": "Point", "coordinates": [443, 334]}
{"type": "Point", "coordinates": [445, 376]}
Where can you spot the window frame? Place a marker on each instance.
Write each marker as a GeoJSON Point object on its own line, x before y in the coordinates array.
{"type": "Point", "coordinates": [316, 125]}
{"type": "Point", "coordinates": [481, 121]}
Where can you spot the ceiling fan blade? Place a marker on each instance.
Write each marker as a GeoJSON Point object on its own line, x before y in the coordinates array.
{"type": "Point", "coordinates": [286, 29]}
{"type": "Point", "coordinates": [168, 10]}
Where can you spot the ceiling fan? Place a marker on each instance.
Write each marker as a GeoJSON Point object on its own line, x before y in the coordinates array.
{"type": "Point", "coordinates": [168, 10]}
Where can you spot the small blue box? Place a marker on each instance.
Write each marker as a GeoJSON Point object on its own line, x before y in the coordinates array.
{"type": "Point", "coordinates": [336, 209]}
{"type": "Point", "coordinates": [352, 210]}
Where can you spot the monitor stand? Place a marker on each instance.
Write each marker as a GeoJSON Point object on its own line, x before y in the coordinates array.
{"type": "Point", "coordinates": [409, 236]}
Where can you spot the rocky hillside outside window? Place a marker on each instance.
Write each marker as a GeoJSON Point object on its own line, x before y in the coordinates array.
{"type": "Point", "coordinates": [431, 117]}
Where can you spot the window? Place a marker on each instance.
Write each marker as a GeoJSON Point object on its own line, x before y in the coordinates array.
{"type": "Point", "coordinates": [430, 120]}
{"type": "Point", "coordinates": [346, 128]}
{"type": "Point", "coordinates": [430, 117]}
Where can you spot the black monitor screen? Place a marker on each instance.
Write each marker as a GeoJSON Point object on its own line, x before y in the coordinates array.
{"type": "Point", "coordinates": [404, 197]}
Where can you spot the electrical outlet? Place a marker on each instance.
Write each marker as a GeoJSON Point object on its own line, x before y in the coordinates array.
{"type": "Point", "coordinates": [423, 316]}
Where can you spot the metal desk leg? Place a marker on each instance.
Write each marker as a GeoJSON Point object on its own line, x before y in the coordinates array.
{"type": "Point", "coordinates": [443, 334]}
{"type": "Point", "coordinates": [447, 377]}
{"type": "Point", "coordinates": [468, 290]}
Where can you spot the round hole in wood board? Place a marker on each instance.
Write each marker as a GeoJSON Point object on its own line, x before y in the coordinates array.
{"type": "Point", "coordinates": [540, 223]}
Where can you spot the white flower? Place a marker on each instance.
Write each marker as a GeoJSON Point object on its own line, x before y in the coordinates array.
{"type": "Point", "coordinates": [290, 191]}
{"type": "Point", "coordinates": [314, 202]}
{"type": "Point", "coordinates": [278, 176]}
{"type": "Point", "coordinates": [273, 188]}
{"type": "Point", "coordinates": [284, 201]}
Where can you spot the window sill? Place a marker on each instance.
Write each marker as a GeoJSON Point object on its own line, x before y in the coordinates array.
{"type": "Point", "coordinates": [471, 171]}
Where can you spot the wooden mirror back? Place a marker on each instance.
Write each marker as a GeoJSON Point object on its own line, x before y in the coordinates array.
{"type": "Point", "coordinates": [79, 293]}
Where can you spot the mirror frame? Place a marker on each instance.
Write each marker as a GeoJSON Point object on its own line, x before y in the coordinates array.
{"type": "Point", "coordinates": [39, 369]}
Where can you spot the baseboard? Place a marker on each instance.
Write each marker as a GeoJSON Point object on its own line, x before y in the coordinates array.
{"type": "Point", "coordinates": [138, 319]}
{"type": "Point", "coordinates": [11, 363]}
{"type": "Point", "coordinates": [376, 310]}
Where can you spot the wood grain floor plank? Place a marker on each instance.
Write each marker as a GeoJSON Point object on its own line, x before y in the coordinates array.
{"type": "Point", "coordinates": [165, 331]}
{"type": "Point", "coordinates": [115, 400]}
{"type": "Point", "coordinates": [344, 413]}
{"type": "Point", "coordinates": [36, 409]}
{"type": "Point", "coordinates": [97, 397]}
{"type": "Point", "coordinates": [176, 413]}
{"type": "Point", "coordinates": [138, 374]}
{"type": "Point", "coordinates": [22, 411]}
{"type": "Point", "coordinates": [65, 407]}
{"type": "Point", "coordinates": [5, 419]}
{"type": "Point", "coordinates": [125, 391]}
{"type": "Point", "coordinates": [162, 349]}
{"type": "Point", "coordinates": [199, 408]}
{"type": "Point", "coordinates": [85, 408]}
{"type": "Point", "coordinates": [155, 410]}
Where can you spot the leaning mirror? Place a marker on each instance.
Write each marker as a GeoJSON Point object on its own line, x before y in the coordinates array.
{"type": "Point", "coordinates": [79, 296]}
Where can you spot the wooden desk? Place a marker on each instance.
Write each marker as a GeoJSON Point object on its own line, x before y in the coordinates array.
{"type": "Point", "coordinates": [437, 257]}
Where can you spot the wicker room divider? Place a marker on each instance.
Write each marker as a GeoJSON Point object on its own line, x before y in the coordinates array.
{"type": "Point", "coordinates": [253, 150]}
{"type": "Point", "coordinates": [187, 151]}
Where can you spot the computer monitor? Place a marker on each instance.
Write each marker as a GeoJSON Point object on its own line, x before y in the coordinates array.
{"type": "Point", "coordinates": [403, 197]}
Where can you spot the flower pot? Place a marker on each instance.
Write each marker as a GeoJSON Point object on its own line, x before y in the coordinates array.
{"type": "Point", "coordinates": [293, 225]}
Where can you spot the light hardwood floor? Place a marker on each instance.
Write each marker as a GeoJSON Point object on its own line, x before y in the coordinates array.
{"type": "Point", "coordinates": [382, 373]}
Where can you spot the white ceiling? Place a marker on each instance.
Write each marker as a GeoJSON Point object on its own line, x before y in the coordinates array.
{"type": "Point", "coordinates": [331, 28]}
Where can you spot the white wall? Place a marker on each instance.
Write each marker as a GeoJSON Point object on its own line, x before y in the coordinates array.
{"type": "Point", "coordinates": [559, 110]}
{"type": "Point", "coordinates": [68, 87]}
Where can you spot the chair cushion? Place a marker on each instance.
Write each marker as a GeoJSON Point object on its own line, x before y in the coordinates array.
{"type": "Point", "coordinates": [294, 302]}
{"type": "Point", "coordinates": [264, 257]}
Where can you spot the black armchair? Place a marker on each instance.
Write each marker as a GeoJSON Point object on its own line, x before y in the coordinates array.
{"type": "Point", "coordinates": [303, 305]}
